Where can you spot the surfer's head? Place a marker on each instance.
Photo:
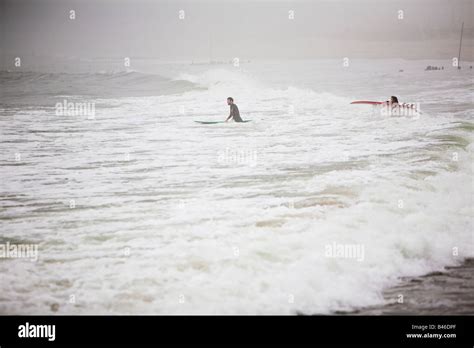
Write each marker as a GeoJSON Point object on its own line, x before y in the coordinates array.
{"type": "Point", "coordinates": [230, 100]}
{"type": "Point", "coordinates": [393, 100]}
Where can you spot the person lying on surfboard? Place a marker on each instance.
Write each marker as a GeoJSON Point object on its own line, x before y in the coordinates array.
{"type": "Point", "coordinates": [392, 104]}
{"type": "Point", "coordinates": [234, 111]}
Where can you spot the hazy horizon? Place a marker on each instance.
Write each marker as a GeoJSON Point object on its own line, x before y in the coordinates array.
{"type": "Point", "coordinates": [244, 29]}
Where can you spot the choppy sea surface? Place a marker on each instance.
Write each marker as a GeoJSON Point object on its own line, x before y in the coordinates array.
{"type": "Point", "coordinates": [135, 208]}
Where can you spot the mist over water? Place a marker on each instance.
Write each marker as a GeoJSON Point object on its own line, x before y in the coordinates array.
{"type": "Point", "coordinates": [138, 209]}
{"type": "Point", "coordinates": [225, 29]}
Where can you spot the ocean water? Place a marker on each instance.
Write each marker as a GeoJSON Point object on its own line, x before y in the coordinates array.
{"type": "Point", "coordinates": [137, 209]}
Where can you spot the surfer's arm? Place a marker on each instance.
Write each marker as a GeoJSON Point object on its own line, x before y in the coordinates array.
{"type": "Point", "coordinates": [231, 114]}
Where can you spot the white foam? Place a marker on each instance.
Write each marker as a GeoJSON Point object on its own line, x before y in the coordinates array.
{"type": "Point", "coordinates": [167, 221]}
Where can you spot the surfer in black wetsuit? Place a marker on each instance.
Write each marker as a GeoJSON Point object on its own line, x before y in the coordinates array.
{"type": "Point", "coordinates": [234, 111]}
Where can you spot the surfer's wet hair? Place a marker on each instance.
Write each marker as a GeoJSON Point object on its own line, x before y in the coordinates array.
{"type": "Point", "coordinates": [230, 98]}
{"type": "Point", "coordinates": [393, 99]}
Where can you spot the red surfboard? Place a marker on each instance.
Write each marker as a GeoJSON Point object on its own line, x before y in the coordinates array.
{"type": "Point", "coordinates": [367, 102]}
{"type": "Point", "coordinates": [396, 106]}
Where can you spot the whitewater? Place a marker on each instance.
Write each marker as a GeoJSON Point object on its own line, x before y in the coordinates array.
{"type": "Point", "coordinates": [137, 209]}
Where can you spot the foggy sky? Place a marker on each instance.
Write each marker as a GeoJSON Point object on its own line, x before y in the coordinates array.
{"type": "Point", "coordinates": [223, 29]}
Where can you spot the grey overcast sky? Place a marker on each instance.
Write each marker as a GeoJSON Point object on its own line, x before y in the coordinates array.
{"type": "Point", "coordinates": [223, 29]}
